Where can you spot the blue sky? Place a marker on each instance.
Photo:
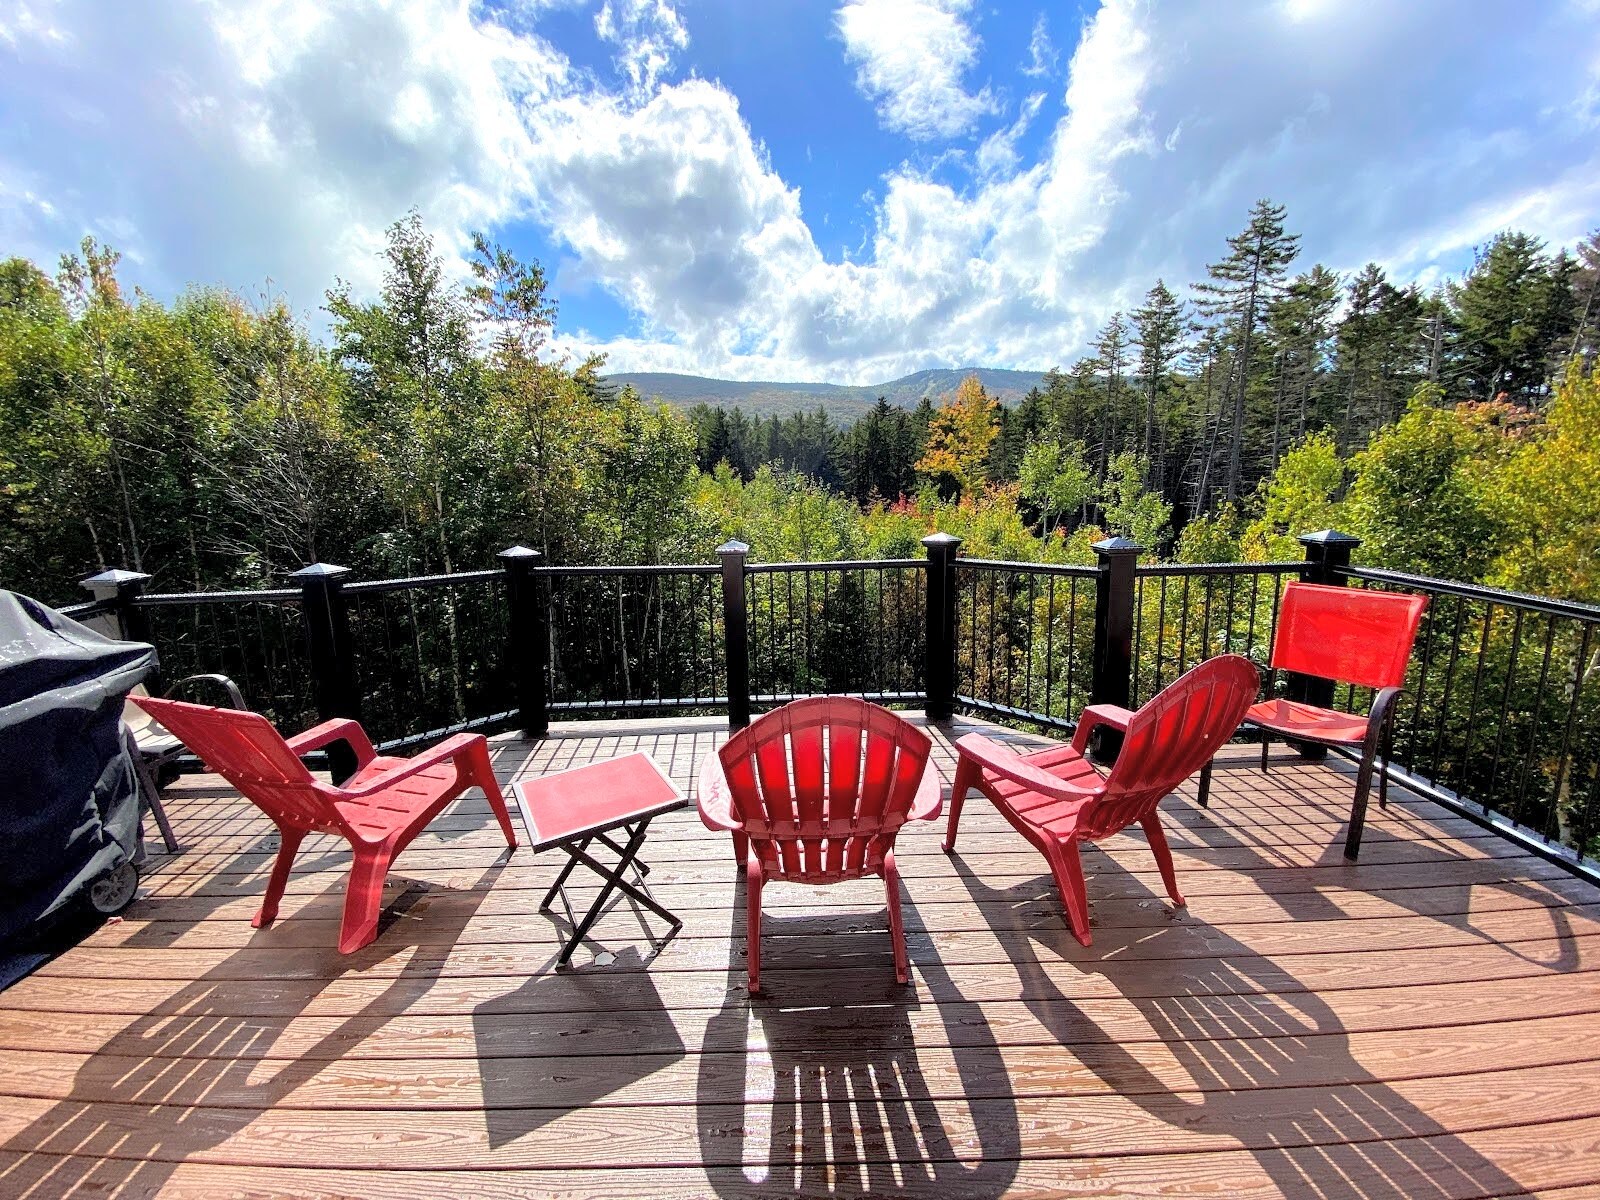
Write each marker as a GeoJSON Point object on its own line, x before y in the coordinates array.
{"type": "Point", "coordinates": [795, 189]}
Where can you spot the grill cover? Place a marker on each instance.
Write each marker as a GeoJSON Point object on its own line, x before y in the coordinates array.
{"type": "Point", "coordinates": [69, 805]}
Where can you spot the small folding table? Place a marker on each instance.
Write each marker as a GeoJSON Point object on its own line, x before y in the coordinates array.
{"type": "Point", "coordinates": [576, 808]}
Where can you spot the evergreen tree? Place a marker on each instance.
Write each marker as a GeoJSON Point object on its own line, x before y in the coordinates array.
{"type": "Point", "coordinates": [1585, 343]}
{"type": "Point", "coordinates": [1505, 310]}
{"type": "Point", "coordinates": [1300, 323]}
{"type": "Point", "coordinates": [1158, 332]}
{"type": "Point", "coordinates": [1240, 287]}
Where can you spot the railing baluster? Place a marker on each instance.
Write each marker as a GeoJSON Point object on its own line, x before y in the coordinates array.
{"type": "Point", "coordinates": [1161, 634]}
{"type": "Point", "coordinates": [1573, 701]}
{"type": "Point", "coordinates": [1505, 705]}
{"type": "Point", "coordinates": [1535, 722]}
{"type": "Point", "coordinates": [1449, 687]}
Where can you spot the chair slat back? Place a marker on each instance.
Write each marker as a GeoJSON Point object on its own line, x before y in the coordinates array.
{"type": "Point", "coordinates": [1349, 634]}
{"type": "Point", "coordinates": [1175, 734]}
{"type": "Point", "coordinates": [822, 785]}
{"type": "Point", "coordinates": [249, 753]}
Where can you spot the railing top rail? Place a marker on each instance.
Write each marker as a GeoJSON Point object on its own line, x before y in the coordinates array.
{"type": "Point", "coordinates": [1473, 591]}
{"type": "Point", "coordinates": [170, 599]}
{"type": "Point", "coordinates": [640, 569]}
{"type": "Point", "coordinates": [997, 564]}
{"type": "Point", "coordinates": [84, 608]}
{"type": "Point", "coordinates": [843, 564]}
{"type": "Point", "coordinates": [419, 581]}
{"type": "Point", "coordinates": [1251, 568]}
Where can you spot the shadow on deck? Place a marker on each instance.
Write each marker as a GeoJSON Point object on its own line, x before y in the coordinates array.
{"type": "Point", "coordinates": [1422, 1025]}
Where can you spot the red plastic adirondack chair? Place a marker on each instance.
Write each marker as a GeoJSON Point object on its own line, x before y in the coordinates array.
{"type": "Point", "coordinates": [1349, 635]}
{"type": "Point", "coordinates": [378, 810]}
{"type": "Point", "coordinates": [1056, 798]}
{"type": "Point", "coordinates": [815, 792]}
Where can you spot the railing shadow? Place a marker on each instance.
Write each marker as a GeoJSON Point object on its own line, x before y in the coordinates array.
{"type": "Point", "coordinates": [845, 1106]}
{"type": "Point", "coordinates": [1242, 1052]}
{"type": "Point", "coordinates": [1442, 901]}
{"type": "Point", "coordinates": [189, 1074]}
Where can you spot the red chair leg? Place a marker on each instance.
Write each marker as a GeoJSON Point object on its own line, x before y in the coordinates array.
{"type": "Point", "coordinates": [1157, 837]}
{"type": "Point", "coordinates": [741, 848]}
{"type": "Point", "coordinates": [482, 773]}
{"type": "Point", "coordinates": [897, 930]}
{"type": "Point", "coordinates": [363, 898]}
{"type": "Point", "coordinates": [1204, 795]}
{"type": "Point", "coordinates": [1358, 807]}
{"type": "Point", "coordinates": [1068, 870]}
{"type": "Point", "coordinates": [1388, 747]}
{"type": "Point", "coordinates": [754, 878]}
{"type": "Point", "coordinates": [288, 846]}
{"type": "Point", "coordinates": [967, 774]}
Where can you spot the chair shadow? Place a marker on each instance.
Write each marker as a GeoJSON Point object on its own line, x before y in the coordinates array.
{"type": "Point", "coordinates": [1447, 903]}
{"type": "Point", "coordinates": [190, 1074]}
{"type": "Point", "coordinates": [1256, 1059]}
{"type": "Point", "coordinates": [805, 1093]}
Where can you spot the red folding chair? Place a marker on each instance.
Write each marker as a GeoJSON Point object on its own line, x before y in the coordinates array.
{"type": "Point", "coordinates": [1056, 798]}
{"type": "Point", "coordinates": [1348, 635]}
{"type": "Point", "coordinates": [378, 810]}
{"type": "Point", "coordinates": [815, 792]}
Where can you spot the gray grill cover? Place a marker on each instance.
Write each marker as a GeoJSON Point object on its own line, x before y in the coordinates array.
{"type": "Point", "coordinates": [69, 807]}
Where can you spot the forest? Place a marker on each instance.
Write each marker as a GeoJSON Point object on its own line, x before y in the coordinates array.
{"type": "Point", "coordinates": [214, 442]}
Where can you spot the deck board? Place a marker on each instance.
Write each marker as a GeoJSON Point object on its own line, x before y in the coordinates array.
{"type": "Point", "coordinates": [1420, 1025]}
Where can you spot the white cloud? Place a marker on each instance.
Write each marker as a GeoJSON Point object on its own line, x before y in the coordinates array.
{"type": "Point", "coordinates": [647, 33]}
{"type": "Point", "coordinates": [1042, 54]}
{"type": "Point", "coordinates": [230, 142]}
{"type": "Point", "coordinates": [998, 152]}
{"type": "Point", "coordinates": [910, 57]}
{"type": "Point", "coordinates": [242, 143]}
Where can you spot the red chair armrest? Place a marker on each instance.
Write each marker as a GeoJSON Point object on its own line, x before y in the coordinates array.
{"type": "Point", "coordinates": [450, 748]}
{"type": "Point", "coordinates": [992, 756]}
{"type": "Point", "coordinates": [1096, 715]}
{"type": "Point", "coordinates": [930, 796]}
{"type": "Point", "coordinates": [339, 729]}
{"type": "Point", "coordinates": [714, 797]}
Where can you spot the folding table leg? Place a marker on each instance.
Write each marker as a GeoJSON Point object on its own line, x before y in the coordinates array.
{"type": "Point", "coordinates": [615, 882]}
{"type": "Point", "coordinates": [555, 888]}
{"type": "Point", "coordinates": [640, 868]}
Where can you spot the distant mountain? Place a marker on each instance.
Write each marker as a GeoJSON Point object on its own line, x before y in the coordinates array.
{"type": "Point", "coordinates": [844, 402]}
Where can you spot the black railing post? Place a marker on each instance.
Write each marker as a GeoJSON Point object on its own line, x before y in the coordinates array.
{"type": "Point", "coordinates": [939, 649]}
{"type": "Point", "coordinates": [1112, 681]}
{"type": "Point", "coordinates": [735, 632]}
{"type": "Point", "coordinates": [332, 654]}
{"type": "Point", "coordinates": [118, 590]}
{"type": "Point", "coordinates": [1327, 552]}
{"type": "Point", "coordinates": [529, 614]}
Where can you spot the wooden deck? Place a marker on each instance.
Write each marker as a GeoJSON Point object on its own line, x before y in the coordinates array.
{"type": "Point", "coordinates": [1423, 1025]}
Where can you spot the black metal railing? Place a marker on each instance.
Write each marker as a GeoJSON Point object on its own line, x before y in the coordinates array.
{"type": "Point", "coordinates": [1024, 639]}
{"type": "Point", "coordinates": [840, 627]}
{"type": "Point", "coordinates": [256, 638]}
{"type": "Point", "coordinates": [1501, 714]}
{"type": "Point", "coordinates": [1186, 613]}
{"type": "Point", "coordinates": [1501, 720]}
{"type": "Point", "coordinates": [634, 639]}
{"type": "Point", "coordinates": [429, 648]}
